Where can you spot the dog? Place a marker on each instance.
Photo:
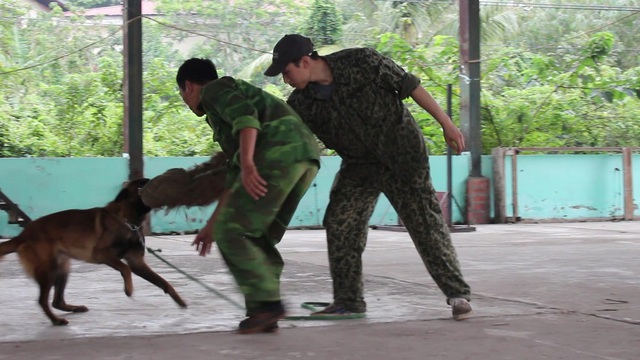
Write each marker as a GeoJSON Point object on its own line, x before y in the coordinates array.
{"type": "Point", "coordinates": [102, 235]}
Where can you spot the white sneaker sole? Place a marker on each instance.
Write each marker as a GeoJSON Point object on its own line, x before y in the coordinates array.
{"type": "Point", "coordinates": [464, 316]}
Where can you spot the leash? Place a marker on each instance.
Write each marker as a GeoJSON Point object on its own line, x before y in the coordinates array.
{"type": "Point", "coordinates": [136, 229]}
{"type": "Point", "coordinates": [311, 306]}
{"type": "Point", "coordinates": [233, 302]}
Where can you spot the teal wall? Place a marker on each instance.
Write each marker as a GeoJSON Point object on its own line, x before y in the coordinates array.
{"type": "Point", "coordinates": [41, 186]}
{"type": "Point", "coordinates": [570, 187]}
{"type": "Point", "coordinates": [566, 187]}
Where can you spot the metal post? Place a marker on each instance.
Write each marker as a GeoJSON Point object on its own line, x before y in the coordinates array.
{"type": "Point", "coordinates": [627, 170]}
{"type": "Point", "coordinates": [132, 91]}
{"type": "Point", "coordinates": [499, 193]}
{"type": "Point", "coordinates": [449, 167]}
{"type": "Point", "coordinates": [470, 81]}
{"type": "Point", "coordinates": [132, 87]}
{"type": "Point", "coordinates": [514, 184]}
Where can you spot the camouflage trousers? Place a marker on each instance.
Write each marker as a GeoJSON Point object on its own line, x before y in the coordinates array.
{"type": "Point", "coordinates": [247, 230]}
{"type": "Point", "coordinates": [353, 198]}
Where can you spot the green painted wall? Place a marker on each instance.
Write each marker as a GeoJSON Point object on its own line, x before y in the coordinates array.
{"type": "Point", "coordinates": [41, 186]}
{"type": "Point", "coordinates": [567, 187]}
{"type": "Point", "coordinates": [570, 186]}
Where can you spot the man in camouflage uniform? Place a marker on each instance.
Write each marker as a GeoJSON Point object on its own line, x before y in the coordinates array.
{"type": "Point", "coordinates": [273, 158]}
{"type": "Point", "coordinates": [352, 100]}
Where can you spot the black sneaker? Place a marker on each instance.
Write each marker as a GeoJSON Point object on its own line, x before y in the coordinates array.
{"type": "Point", "coordinates": [273, 328]}
{"type": "Point", "coordinates": [264, 320]}
{"type": "Point", "coordinates": [332, 310]}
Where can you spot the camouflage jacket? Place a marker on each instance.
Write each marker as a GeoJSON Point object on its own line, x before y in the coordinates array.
{"type": "Point", "coordinates": [232, 105]}
{"type": "Point", "coordinates": [364, 120]}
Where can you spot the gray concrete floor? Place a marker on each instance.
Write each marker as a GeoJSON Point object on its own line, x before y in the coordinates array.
{"type": "Point", "coordinates": [545, 291]}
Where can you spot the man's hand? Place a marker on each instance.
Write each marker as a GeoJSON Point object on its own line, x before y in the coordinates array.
{"type": "Point", "coordinates": [454, 138]}
{"type": "Point", "coordinates": [255, 185]}
{"type": "Point", "coordinates": [251, 180]}
{"type": "Point", "coordinates": [203, 240]}
{"type": "Point", "coordinates": [452, 135]}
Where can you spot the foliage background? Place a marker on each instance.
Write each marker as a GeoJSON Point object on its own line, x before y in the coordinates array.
{"type": "Point", "coordinates": [551, 76]}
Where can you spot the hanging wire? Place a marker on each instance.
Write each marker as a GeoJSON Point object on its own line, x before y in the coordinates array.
{"type": "Point", "coordinates": [60, 57]}
{"type": "Point", "coordinates": [182, 29]}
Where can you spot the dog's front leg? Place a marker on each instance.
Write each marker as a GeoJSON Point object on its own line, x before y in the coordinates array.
{"type": "Point", "coordinates": [115, 263]}
{"type": "Point", "coordinates": [60, 283]}
{"type": "Point", "coordinates": [140, 268]}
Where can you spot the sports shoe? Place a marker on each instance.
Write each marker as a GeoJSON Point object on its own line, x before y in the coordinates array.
{"type": "Point", "coordinates": [332, 310]}
{"type": "Point", "coordinates": [273, 328]}
{"type": "Point", "coordinates": [460, 308]}
{"type": "Point", "coordinates": [265, 320]}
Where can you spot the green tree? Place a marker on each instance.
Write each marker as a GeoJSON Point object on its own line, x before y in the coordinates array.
{"type": "Point", "coordinates": [50, 108]}
{"type": "Point", "coordinates": [324, 24]}
{"type": "Point", "coordinates": [416, 59]}
{"type": "Point", "coordinates": [576, 100]}
{"type": "Point", "coordinates": [541, 29]}
{"type": "Point", "coordinates": [231, 33]}
{"type": "Point", "coordinates": [550, 77]}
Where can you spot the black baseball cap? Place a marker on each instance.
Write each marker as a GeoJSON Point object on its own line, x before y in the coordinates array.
{"type": "Point", "coordinates": [290, 48]}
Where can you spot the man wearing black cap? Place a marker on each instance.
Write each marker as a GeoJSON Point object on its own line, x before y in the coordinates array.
{"type": "Point", "coordinates": [352, 100]}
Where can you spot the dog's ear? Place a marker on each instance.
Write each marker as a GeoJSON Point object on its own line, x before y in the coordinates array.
{"type": "Point", "coordinates": [131, 188]}
{"type": "Point", "coordinates": [139, 183]}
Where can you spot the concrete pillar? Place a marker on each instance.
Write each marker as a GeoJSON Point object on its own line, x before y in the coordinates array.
{"type": "Point", "coordinates": [499, 193]}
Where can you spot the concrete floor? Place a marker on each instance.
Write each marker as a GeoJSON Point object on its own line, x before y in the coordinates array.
{"type": "Point", "coordinates": [546, 291]}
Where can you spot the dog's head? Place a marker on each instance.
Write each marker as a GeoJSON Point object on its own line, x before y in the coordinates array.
{"type": "Point", "coordinates": [130, 196]}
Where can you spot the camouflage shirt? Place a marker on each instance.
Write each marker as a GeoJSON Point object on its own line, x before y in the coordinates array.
{"type": "Point", "coordinates": [232, 105]}
{"type": "Point", "coordinates": [364, 119]}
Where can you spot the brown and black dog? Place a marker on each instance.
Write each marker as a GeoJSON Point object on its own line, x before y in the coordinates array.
{"type": "Point", "coordinates": [102, 235]}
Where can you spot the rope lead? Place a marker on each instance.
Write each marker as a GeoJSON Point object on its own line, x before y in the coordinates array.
{"type": "Point", "coordinates": [311, 306]}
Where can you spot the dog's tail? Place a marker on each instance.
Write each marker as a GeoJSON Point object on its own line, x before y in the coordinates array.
{"type": "Point", "coordinates": [10, 246]}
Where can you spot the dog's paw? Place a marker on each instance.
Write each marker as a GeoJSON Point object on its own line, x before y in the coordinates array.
{"type": "Point", "coordinates": [60, 322]}
{"type": "Point", "coordinates": [80, 308]}
{"type": "Point", "coordinates": [70, 308]}
{"type": "Point", "coordinates": [179, 301]}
